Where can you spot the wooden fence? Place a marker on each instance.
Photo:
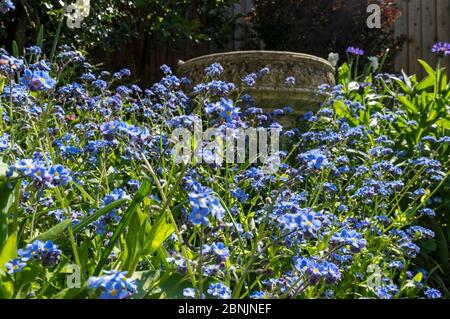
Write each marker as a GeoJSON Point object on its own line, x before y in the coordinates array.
{"type": "Point", "coordinates": [145, 56]}
{"type": "Point", "coordinates": [423, 22]}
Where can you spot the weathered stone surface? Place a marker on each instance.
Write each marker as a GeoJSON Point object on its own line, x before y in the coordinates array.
{"type": "Point", "coordinates": [270, 91]}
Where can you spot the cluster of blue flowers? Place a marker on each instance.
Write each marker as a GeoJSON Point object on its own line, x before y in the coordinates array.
{"type": "Point", "coordinates": [6, 6]}
{"type": "Point", "coordinates": [306, 221]}
{"type": "Point", "coordinates": [346, 195]}
{"type": "Point", "coordinates": [203, 205]}
{"type": "Point", "coordinates": [355, 51]}
{"type": "Point", "coordinates": [38, 80]}
{"type": "Point", "coordinates": [219, 290]}
{"type": "Point", "coordinates": [41, 173]}
{"type": "Point", "coordinates": [47, 254]}
{"type": "Point", "coordinates": [313, 160]}
{"type": "Point", "coordinates": [216, 290]}
{"type": "Point", "coordinates": [224, 108]}
{"type": "Point", "coordinates": [214, 70]}
{"type": "Point", "coordinates": [113, 285]}
{"type": "Point", "coordinates": [351, 238]}
{"type": "Point", "coordinates": [316, 270]}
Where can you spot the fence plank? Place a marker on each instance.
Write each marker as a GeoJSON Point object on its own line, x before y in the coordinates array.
{"type": "Point", "coordinates": [424, 22]}
{"type": "Point", "coordinates": [429, 30]}
{"type": "Point", "coordinates": [443, 25]}
{"type": "Point", "coordinates": [415, 33]}
{"type": "Point", "coordinates": [401, 29]}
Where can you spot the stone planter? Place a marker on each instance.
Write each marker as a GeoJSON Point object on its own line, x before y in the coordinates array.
{"type": "Point", "coordinates": [270, 91]}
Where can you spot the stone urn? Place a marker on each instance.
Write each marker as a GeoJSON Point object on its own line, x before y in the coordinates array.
{"type": "Point", "coordinates": [270, 91]}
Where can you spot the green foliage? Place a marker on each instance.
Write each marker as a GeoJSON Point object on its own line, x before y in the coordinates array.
{"type": "Point", "coordinates": [160, 284]}
{"type": "Point", "coordinates": [129, 213]}
{"type": "Point", "coordinates": [55, 233]}
{"type": "Point", "coordinates": [120, 27]}
{"type": "Point", "coordinates": [7, 198]}
{"type": "Point", "coordinates": [424, 113]}
{"type": "Point", "coordinates": [92, 170]}
{"type": "Point", "coordinates": [8, 249]}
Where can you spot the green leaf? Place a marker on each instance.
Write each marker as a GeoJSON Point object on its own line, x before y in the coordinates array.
{"type": "Point", "coordinates": [424, 198]}
{"type": "Point", "coordinates": [2, 85]}
{"type": "Point", "coordinates": [137, 236]}
{"type": "Point", "coordinates": [57, 34]}
{"type": "Point", "coordinates": [9, 250]}
{"type": "Point", "coordinates": [418, 277]}
{"type": "Point", "coordinates": [71, 293]}
{"type": "Point", "coordinates": [409, 105]}
{"type": "Point", "coordinates": [53, 233]}
{"type": "Point", "coordinates": [137, 199]}
{"type": "Point", "coordinates": [341, 109]}
{"type": "Point", "coordinates": [343, 73]}
{"type": "Point", "coordinates": [3, 169]}
{"type": "Point", "coordinates": [399, 82]}
{"type": "Point", "coordinates": [15, 49]}
{"type": "Point", "coordinates": [40, 37]}
{"type": "Point", "coordinates": [426, 83]}
{"type": "Point", "coordinates": [83, 253]}
{"type": "Point", "coordinates": [160, 231]}
{"type": "Point", "coordinates": [160, 284]}
{"type": "Point", "coordinates": [6, 289]}
{"type": "Point", "coordinates": [145, 281]}
{"type": "Point", "coordinates": [28, 274]}
{"type": "Point", "coordinates": [383, 59]}
{"type": "Point", "coordinates": [407, 81]}
{"type": "Point", "coordinates": [428, 69]}
{"type": "Point", "coordinates": [6, 201]}
{"type": "Point", "coordinates": [140, 3]}
{"type": "Point", "coordinates": [84, 193]}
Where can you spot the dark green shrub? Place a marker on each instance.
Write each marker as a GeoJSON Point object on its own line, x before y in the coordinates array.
{"type": "Point", "coordinates": [322, 26]}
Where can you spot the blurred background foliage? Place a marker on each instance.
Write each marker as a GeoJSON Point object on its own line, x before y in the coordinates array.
{"type": "Point", "coordinates": [319, 27]}
{"type": "Point", "coordinates": [122, 33]}
{"type": "Point", "coordinates": [143, 34]}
